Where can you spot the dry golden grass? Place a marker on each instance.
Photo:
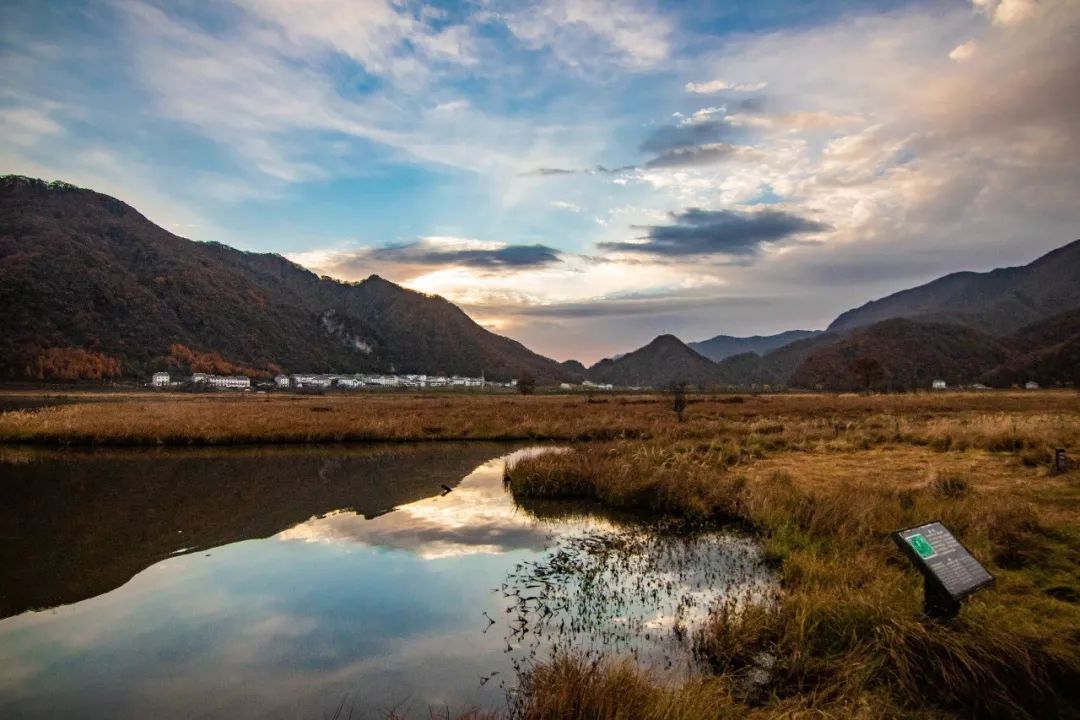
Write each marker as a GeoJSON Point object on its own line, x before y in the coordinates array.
{"type": "Point", "coordinates": [757, 423]}
{"type": "Point", "coordinates": [824, 492]}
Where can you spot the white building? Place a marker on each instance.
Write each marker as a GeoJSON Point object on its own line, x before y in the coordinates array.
{"type": "Point", "coordinates": [228, 381]}
{"type": "Point", "coordinates": [938, 385]}
{"type": "Point", "coordinates": [160, 379]}
{"type": "Point", "coordinates": [1031, 385]}
{"type": "Point", "coordinates": [322, 381]}
{"type": "Point", "coordinates": [282, 381]}
{"type": "Point", "coordinates": [199, 377]}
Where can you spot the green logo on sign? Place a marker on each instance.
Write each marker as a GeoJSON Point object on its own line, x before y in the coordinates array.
{"type": "Point", "coordinates": [921, 546]}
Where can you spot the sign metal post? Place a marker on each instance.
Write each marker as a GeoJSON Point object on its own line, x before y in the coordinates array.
{"type": "Point", "coordinates": [950, 572]}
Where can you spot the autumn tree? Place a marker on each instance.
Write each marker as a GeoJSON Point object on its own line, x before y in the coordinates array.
{"type": "Point", "coordinates": [868, 372]}
{"type": "Point", "coordinates": [69, 363]}
{"type": "Point", "coordinates": [526, 383]}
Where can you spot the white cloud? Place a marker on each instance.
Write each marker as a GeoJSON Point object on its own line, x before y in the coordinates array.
{"type": "Point", "coordinates": [1006, 13]}
{"type": "Point", "coordinates": [715, 86]}
{"type": "Point", "coordinates": [964, 51]}
{"type": "Point", "coordinates": [252, 91]}
{"type": "Point", "coordinates": [583, 32]}
{"type": "Point", "coordinates": [27, 125]}
{"type": "Point", "coordinates": [381, 35]}
{"type": "Point", "coordinates": [564, 205]}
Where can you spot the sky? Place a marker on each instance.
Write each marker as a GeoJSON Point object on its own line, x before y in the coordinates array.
{"type": "Point", "coordinates": [578, 175]}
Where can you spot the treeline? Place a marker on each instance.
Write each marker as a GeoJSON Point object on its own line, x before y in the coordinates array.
{"type": "Point", "coordinates": [184, 359]}
{"type": "Point", "coordinates": [69, 364]}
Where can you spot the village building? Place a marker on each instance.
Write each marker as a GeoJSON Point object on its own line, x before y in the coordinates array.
{"type": "Point", "coordinates": [938, 385]}
{"type": "Point", "coordinates": [235, 382]}
{"type": "Point", "coordinates": [1031, 385]}
{"type": "Point", "coordinates": [282, 381]}
{"type": "Point", "coordinates": [160, 379]}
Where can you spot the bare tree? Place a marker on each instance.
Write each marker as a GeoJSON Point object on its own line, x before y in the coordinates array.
{"type": "Point", "coordinates": [678, 399]}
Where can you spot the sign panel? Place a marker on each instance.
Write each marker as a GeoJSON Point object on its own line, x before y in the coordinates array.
{"type": "Point", "coordinates": [943, 560]}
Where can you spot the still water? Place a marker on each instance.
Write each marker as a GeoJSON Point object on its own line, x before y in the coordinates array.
{"type": "Point", "coordinates": [291, 582]}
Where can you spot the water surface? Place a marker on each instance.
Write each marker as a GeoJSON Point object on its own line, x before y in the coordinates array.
{"type": "Point", "coordinates": [280, 583]}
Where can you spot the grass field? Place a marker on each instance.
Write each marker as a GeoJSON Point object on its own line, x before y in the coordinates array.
{"type": "Point", "coordinates": [821, 479]}
{"type": "Point", "coordinates": [823, 486]}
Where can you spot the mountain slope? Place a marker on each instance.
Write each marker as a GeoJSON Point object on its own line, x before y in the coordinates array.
{"type": "Point", "coordinates": [774, 367]}
{"type": "Point", "coordinates": [724, 346]}
{"type": "Point", "coordinates": [663, 361]}
{"type": "Point", "coordinates": [1047, 352]}
{"type": "Point", "coordinates": [81, 269]}
{"type": "Point", "coordinates": [997, 302]}
{"type": "Point", "coordinates": [908, 354]}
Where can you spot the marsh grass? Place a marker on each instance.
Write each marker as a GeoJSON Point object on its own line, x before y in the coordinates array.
{"type": "Point", "coordinates": [756, 425]}
{"type": "Point", "coordinates": [847, 638]}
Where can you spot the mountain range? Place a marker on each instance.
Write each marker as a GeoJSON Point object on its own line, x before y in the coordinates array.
{"type": "Point", "coordinates": [79, 269]}
{"type": "Point", "coordinates": [91, 289]}
{"type": "Point", "coordinates": [997, 302]}
{"type": "Point", "coordinates": [1003, 327]}
{"type": "Point", "coordinates": [724, 346]}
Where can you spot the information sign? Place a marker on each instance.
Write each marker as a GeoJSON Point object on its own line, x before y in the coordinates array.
{"type": "Point", "coordinates": [951, 573]}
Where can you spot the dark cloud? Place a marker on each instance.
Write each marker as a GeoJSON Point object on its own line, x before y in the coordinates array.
{"type": "Point", "coordinates": [511, 256]}
{"type": "Point", "coordinates": [671, 137]}
{"type": "Point", "coordinates": [549, 171]}
{"type": "Point", "coordinates": [598, 170]}
{"type": "Point", "coordinates": [728, 232]}
{"type": "Point", "coordinates": [755, 104]}
{"type": "Point", "coordinates": [692, 156]}
{"type": "Point", "coordinates": [634, 306]}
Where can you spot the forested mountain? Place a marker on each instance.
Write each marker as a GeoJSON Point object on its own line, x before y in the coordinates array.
{"type": "Point", "coordinates": [85, 280]}
{"type": "Point", "coordinates": [663, 361]}
{"type": "Point", "coordinates": [724, 346]}
{"type": "Point", "coordinates": [996, 302]}
{"type": "Point", "coordinates": [1047, 352]}
{"type": "Point", "coordinates": [901, 354]}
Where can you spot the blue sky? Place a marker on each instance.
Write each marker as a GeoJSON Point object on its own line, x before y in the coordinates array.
{"type": "Point", "coordinates": [579, 175]}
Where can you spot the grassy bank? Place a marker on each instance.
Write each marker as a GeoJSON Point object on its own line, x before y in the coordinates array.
{"type": "Point", "coordinates": [847, 639]}
{"type": "Point", "coordinates": [744, 423]}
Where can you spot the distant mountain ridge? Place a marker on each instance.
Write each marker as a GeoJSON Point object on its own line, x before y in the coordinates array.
{"type": "Point", "coordinates": [79, 269]}
{"type": "Point", "coordinates": [1003, 327]}
{"type": "Point", "coordinates": [663, 361]}
{"type": "Point", "coordinates": [724, 346]}
{"type": "Point", "coordinates": [912, 354]}
{"type": "Point", "coordinates": [997, 302]}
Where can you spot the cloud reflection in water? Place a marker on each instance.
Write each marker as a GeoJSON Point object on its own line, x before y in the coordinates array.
{"type": "Point", "coordinates": [475, 518]}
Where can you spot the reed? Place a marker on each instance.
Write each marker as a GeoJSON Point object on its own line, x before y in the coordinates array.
{"type": "Point", "coordinates": [847, 639]}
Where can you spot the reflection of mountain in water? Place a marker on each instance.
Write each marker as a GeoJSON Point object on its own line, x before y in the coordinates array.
{"type": "Point", "coordinates": [477, 518]}
{"type": "Point", "coordinates": [78, 524]}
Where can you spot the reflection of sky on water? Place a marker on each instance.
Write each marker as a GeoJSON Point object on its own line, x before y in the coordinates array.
{"type": "Point", "coordinates": [477, 517]}
{"type": "Point", "coordinates": [389, 611]}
